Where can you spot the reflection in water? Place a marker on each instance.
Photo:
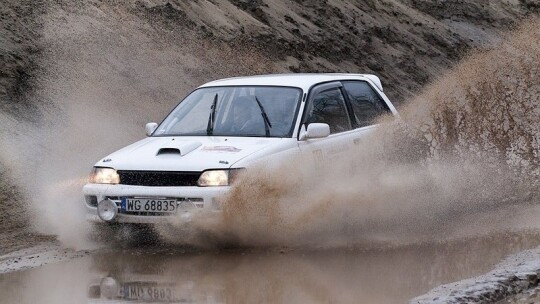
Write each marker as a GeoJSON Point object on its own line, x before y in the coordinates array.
{"type": "Point", "coordinates": [376, 275]}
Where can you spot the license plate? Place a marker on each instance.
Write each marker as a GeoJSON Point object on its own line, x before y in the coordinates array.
{"type": "Point", "coordinates": [149, 205]}
{"type": "Point", "coordinates": [149, 292]}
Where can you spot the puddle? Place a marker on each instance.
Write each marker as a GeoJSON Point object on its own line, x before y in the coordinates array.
{"type": "Point", "coordinates": [375, 275]}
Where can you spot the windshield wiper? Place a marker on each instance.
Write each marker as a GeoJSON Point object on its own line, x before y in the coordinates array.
{"type": "Point", "coordinates": [212, 117]}
{"type": "Point", "coordinates": [267, 124]}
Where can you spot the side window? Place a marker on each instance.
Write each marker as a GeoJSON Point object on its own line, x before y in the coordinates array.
{"type": "Point", "coordinates": [329, 107]}
{"type": "Point", "coordinates": [367, 105]}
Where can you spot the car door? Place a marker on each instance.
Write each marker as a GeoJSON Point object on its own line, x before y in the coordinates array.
{"type": "Point", "coordinates": [366, 107]}
{"type": "Point", "coordinates": [327, 104]}
{"type": "Point", "coordinates": [351, 109]}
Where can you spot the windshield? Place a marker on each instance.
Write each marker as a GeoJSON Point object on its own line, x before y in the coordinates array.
{"type": "Point", "coordinates": [234, 111]}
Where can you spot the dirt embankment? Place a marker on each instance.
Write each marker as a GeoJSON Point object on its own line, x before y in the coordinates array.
{"type": "Point", "coordinates": [407, 42]}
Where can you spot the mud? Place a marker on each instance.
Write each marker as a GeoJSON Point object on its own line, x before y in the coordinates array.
{"type": "Point", "coordinates": [527, 297]}
{"type": "Point", "coordinates": [36, 256]}
{"type": "Point", "coordinates": [514, 280]}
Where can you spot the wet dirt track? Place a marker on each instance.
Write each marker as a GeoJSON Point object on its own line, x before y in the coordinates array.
{"type": "Point", "coordinates": [374, 275]}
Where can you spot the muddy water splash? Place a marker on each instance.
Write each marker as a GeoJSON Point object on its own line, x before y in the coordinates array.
{"type": "Point", "coordinates": [464, 161]}
{"type": "Point", "coordinates": [105, 70]}
{"type": "Point", "coordinates": [489, 105]}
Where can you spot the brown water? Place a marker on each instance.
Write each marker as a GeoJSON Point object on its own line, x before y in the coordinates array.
{"type": "Point", "coordinates": [376, 275]}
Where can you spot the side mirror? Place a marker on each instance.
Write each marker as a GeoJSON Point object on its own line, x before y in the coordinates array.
{"type": "Point", "coordinates": [150, 128]}
{"type": "Point", "coordinates": [315, 130]}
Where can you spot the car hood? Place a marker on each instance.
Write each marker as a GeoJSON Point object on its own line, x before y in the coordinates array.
{"type": "Point", "coordinates": [186, 153]}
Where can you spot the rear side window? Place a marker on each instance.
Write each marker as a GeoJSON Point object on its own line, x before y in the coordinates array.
{"type": "Point", "coordinates": [329, 107]}
{"type": "Point", "coordinates": [367, 105]}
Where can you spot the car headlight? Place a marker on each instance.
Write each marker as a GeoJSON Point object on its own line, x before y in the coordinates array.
{"type": "Point", "coordinates": [210, 178]}
{"type": "Point", "coordinates": [104, 176]}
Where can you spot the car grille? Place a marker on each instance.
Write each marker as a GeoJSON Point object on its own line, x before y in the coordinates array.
{"type": "Point", "coordinates": [158, 178]}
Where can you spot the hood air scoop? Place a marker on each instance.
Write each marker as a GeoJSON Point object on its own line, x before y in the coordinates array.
{"type": "Point", "coordinates": [168, 151]}
{"type": "Point", "coordinates": [178, 148]}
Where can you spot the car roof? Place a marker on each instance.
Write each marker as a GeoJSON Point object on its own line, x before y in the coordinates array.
{"type": "Point", "coordinates": [303, 81]}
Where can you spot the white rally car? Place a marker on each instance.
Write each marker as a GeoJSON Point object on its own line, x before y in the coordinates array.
{"type": "Point", "coordinates": [224, 127]}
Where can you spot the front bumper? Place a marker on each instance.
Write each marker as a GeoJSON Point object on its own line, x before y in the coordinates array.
{"type": "Point", "coordinates": [201, 199]}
